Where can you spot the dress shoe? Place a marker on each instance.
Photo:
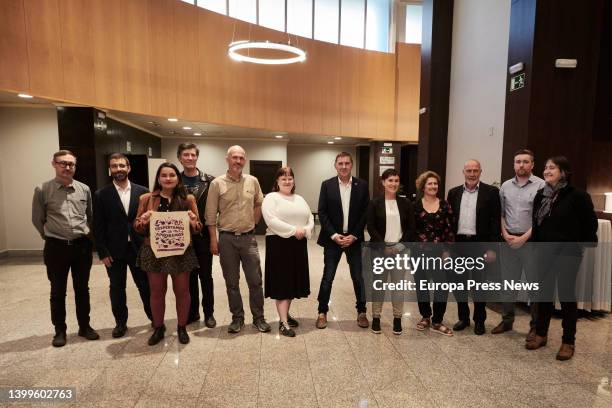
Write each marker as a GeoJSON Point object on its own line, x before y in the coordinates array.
{"type": "Point", "coordinates": [479, 328]}
{"type": "Point", "coordinates": [397, 325]}
{"type": "Point", "coordinates": [119, 331]}
{"type": "Point", "coordinates": [362, 320]}
{"type": "Point", "coordinates": [88, 333]}
{"type": "Point", "coordinates": [181, 332]}
{"type": "Point", "coordinates": [59, 340]}
{"type": "Point", "coordinates": [536, 343]}
{"type": "Point", "coordinates": [235, 326]}
{"type": "Point", "coordinates": [566, 352]}
{"type": "Point", "coordinates": [285, 329]}
{"type": "Point", "coordinates": [193, 319]}
{"type": "Point", "coordinates": [291, 321]}
{"type": "Point", "coordinates": [501, 328]}
{"type": "Point", "coordinates": [210, 322]}
{"type": "Point", "coordinates": [262, 325]}
{"type": "Point", "coordinates": [322, 321]}
{"type": "Point", "coordinates": [461, 324]}
{"type": "Point", "coordinates": [158, 335]}
{"type": "Point", "coordinates": [531, 335]}
{"type": "Point", "coordinates": [376, 325]}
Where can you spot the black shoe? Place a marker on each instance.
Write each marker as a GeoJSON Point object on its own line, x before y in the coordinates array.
{"type": "Point", "coordinates": [502, 327]}
{"type": "Point", "coordinates": [461, 324]}
{"type": "Point", "coordinates": [397, 325]}
{"type": "Point", "coordinates": [291, 321]}
{"type": "Point", "coordinates": [479, 328]}
{"type": "Point", "coordinates": [157, 335]}
{"type": "Point", "coordinates": [285, 329]}
{"type": "Point", "coordinates": [59, 340]}
{"type": "Point", "coordinates": [182, 335]}
{"type": "Point", "coordinates": [235, 326]}
{"type": "Point", "coordinates": [262, 325]}
{"type": "Point", "coordinates": [376, 325]}
{"type": "Point", "coordinates": [193, 319]}
{"type": "Point", "coordinates": [210, 322]}
{"type": "Point", "coordinates": [88, 333]}
{"type": "Point", "coordinates": [119, 331]}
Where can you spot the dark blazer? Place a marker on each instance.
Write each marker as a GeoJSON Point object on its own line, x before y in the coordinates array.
{"type": "Point", "coordinates": [377, 219]}
{"type": "Point", "coordinates": [572, 218]}
{"type": "Point", "coordinates": [330, 210]}
{"type": "Point", "coordinates": [112, 225]}
{"type": "Point", "coordinates": [200, 192]}
{"type": "Point", "coordinates": [488, 211]}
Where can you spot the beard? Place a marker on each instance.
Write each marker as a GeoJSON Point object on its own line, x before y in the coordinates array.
{"type": "Point", "coordinates": [119, 176]}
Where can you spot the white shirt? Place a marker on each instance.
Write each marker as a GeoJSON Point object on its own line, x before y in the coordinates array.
{"type": "Point", "coordinates": [345, 197]}
{"type": "Point", "coordinates": [467, 212]}
{"type": "Point", "coordinates": [124, 196]}
{"type": "Point", "coordinates": [393, 230]}
{"type": "Point", "coordinates": [285, 214]}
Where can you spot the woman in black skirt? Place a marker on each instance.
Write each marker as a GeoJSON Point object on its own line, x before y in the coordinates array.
{"type": "Point", "coordinates": [290, 223]}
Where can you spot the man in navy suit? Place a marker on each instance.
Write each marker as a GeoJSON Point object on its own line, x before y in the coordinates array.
{"type": "Point", "coordinates": [115, 208]}
{"type": "Point", "coordinates": [343, 205]}
{"type": "Point", "coordinates": [477, 209]}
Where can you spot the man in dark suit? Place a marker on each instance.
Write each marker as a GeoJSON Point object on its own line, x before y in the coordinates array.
{"type": "Point", "coordinates": [343, 204]}
{"type": "Point", "coordinates": [477, 211]}
{"type": "Point", "coordinates": [115, 208]}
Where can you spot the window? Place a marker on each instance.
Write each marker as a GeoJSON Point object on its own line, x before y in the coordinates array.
{"type": "Point", "coordinates": [243, 10]}
{"type": "Point", "coordinates": [217, 6]}
{"type": "Point", "coordinates": [414, 20]}
{"type": "Point", "coordinates": [351, 22]}
{"type": "Point", "coordinates": [377, 25]}
{"type": "Point", "coordinates": [326, 20]}
{"type": "Point", "coordinates": [299, 17]}
{"type": "Point", "coordinates": [188, 1]}
{"type": "Point", "coordinates": [272, 14]}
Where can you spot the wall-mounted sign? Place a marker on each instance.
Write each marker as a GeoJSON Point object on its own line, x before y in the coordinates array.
{"type": "Point", "coordinates": [128, 146]}
{"type": "Point", "coordinates": [387, 150]}
{"type": "Point", "coordinates": [387, 160]}
{"type": "Point", "coordinates": [517, 82]}
{"type": "Point", "coordinates": [169, 233]}
{"type": "Point", "coordinates": [383, 168]}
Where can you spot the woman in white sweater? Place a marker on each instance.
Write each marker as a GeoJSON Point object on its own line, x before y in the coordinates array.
{"type": "Point", "coordinates": [290, 223]}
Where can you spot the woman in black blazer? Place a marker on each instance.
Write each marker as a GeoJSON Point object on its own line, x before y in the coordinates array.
{"type": "Point", "coordinates": [390, 221]}
{"type": "Point", "coordinates": [564, 219]}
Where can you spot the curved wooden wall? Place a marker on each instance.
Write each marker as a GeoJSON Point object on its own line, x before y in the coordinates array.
{"type": "Point", "coordinates": [168, 58]}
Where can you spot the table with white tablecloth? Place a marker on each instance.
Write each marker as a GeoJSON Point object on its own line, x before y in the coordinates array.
{"type": "Point", "coordinates": [594, 280]}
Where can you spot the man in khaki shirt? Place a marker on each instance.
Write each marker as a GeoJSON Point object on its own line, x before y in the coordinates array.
{"type": "Point", "coordinates": [236, 199]}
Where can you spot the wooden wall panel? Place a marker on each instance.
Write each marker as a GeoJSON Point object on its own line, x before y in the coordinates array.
{"type": "Point", "coordinates": [329, 97]}
{"type": "Point", "coordinates": [13, 47]}
{"type": "Point", "coordinates": [44, 48]}
{"type": "Point", "coordinates": [77, 51]}
{"type": "Point", "coordinates": [367, 95]}
{"type": "Point", "coordinates": [187, 59]}
{"type": "Point", "coordinates": [408, 91]}
{"type": "Point", "coordinates": [385, 120]}
{"type": "Point", "coordinates": [162, 55]}
{"type": "Point", "coordinates": [349, 83]}
{"type": "Point", "coordinates": [135, 46]}
{"type": "Point", "coordinates": [313, 83]}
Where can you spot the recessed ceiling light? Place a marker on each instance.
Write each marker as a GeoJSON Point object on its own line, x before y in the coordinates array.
{"type": "Point", "coordinates": [172, 132]}
{"type": "Point", "coordinates": [197, 134]}
{"type": "Point", "coordinates": [337, 138]}
{"type": "Point", "coordinates": [279, 136]}
{"type": "Point", "coordinates": [186, 128]}
{"type": "Point", "coordinates": [330, 142]}
{"type": "Point", "coordinates": [26, 96]}
{"type": "Point", "coordinates": [172, 120]}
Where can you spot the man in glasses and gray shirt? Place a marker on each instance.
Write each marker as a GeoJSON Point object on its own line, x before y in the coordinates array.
{"type": "Point", "coordinates": [516, 196]}
{"type": "Point", "coordinates": [62, 214]}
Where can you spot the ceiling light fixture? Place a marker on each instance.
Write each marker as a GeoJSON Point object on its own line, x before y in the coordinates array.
{"type": "Point", "coordinates": [197, 134]}
{"type": "Point", "coordinates": [279, 136]}
{"type": "Point", "coordinates": [172, 120]}
{"type": "Point", "coordinates": [234, 47]}
{"type": "Point", "coordinates": [186, 128]}
{"type": "Point", "coordinates": [337, 138]}
{"type": "Point", "coordinates": [330, 142]}
{"type": "Point", "coordinates": [26, 96]}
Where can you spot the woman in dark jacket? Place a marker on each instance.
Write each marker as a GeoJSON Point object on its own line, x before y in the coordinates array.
{"type": "Point", "coordinates": [564, 219]}
{"type": "Point", "coordinates": [390, 221]}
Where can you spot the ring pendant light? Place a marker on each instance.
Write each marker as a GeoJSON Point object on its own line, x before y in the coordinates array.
{"type": "Point", "coordinates": [234, 47]}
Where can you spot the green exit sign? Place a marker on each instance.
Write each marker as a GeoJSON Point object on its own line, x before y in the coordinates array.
{"type": "Point", "coordinates": [517, 82]}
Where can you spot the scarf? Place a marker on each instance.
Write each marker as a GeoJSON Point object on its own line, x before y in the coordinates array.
{"type": "Point", "coordinates": [550, 195]}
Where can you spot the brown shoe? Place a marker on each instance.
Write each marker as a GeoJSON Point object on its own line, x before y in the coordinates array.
{"type": "Point", "coordinates": [322, 321]}
{"type": "Point", "coordinates": [501, 328]}
{"type": "Point", "coordinates": [531, 335]}
{"type": "Point", "coordinates": [566, 352]}
{"type": "Point", "coordinates": [536, 343]}
{"type": "Point", "coordinates": [362, 320]}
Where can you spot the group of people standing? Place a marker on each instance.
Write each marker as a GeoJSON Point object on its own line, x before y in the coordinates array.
{"type": "Point", "coordinates": [224, 211]}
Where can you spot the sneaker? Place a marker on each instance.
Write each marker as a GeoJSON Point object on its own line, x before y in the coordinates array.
{"type": "Point", "coordinates": [397, 325]}
{"type": "Point", "coordinates": [59, 340]}
{"type": "Point", "coordinates": [210, 322]}
{"type": "Point", "coordinates": [182, 334]}
{"type": "Point", "coordinates": [157, 336]}
{"type": "Point", "coordinates": [88, 333]}
{"type": "Point", "coordinates": [285, 329]}
{"type": "Point", "coordinates": [291, 321]}
{"type": "Point", "coordinates": [262, 325]}
{"type": "Point", "coordinates": [376, 325]}
{"type": "Point", "coordinates": [235, 326]}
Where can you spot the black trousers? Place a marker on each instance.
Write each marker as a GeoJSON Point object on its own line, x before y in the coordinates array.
{"type": "Point", "coordinates": [61, 258]}
{"type": "Point", "coordinates": [471, 248]}
{"type": "Point", "coordinates": [204, 273]}
{"type": "Point", "coordinates": [117, 274]}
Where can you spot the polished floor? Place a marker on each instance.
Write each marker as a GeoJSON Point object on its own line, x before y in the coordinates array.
{"type": "Point", "coordinates": [341, 366]}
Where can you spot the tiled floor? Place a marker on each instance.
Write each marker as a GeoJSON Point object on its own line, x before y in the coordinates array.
{"type": "Point", "coordinates": [341, 366]}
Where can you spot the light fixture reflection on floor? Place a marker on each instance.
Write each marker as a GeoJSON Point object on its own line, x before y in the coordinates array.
{"type": "Point", "coordinates": [232, 51]}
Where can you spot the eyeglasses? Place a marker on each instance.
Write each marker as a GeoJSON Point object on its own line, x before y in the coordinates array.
{"type": "Point", "coordinates": [66, 164]}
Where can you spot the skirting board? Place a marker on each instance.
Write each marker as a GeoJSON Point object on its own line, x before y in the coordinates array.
{"type": "Point", "coordinates": [21, 253]}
